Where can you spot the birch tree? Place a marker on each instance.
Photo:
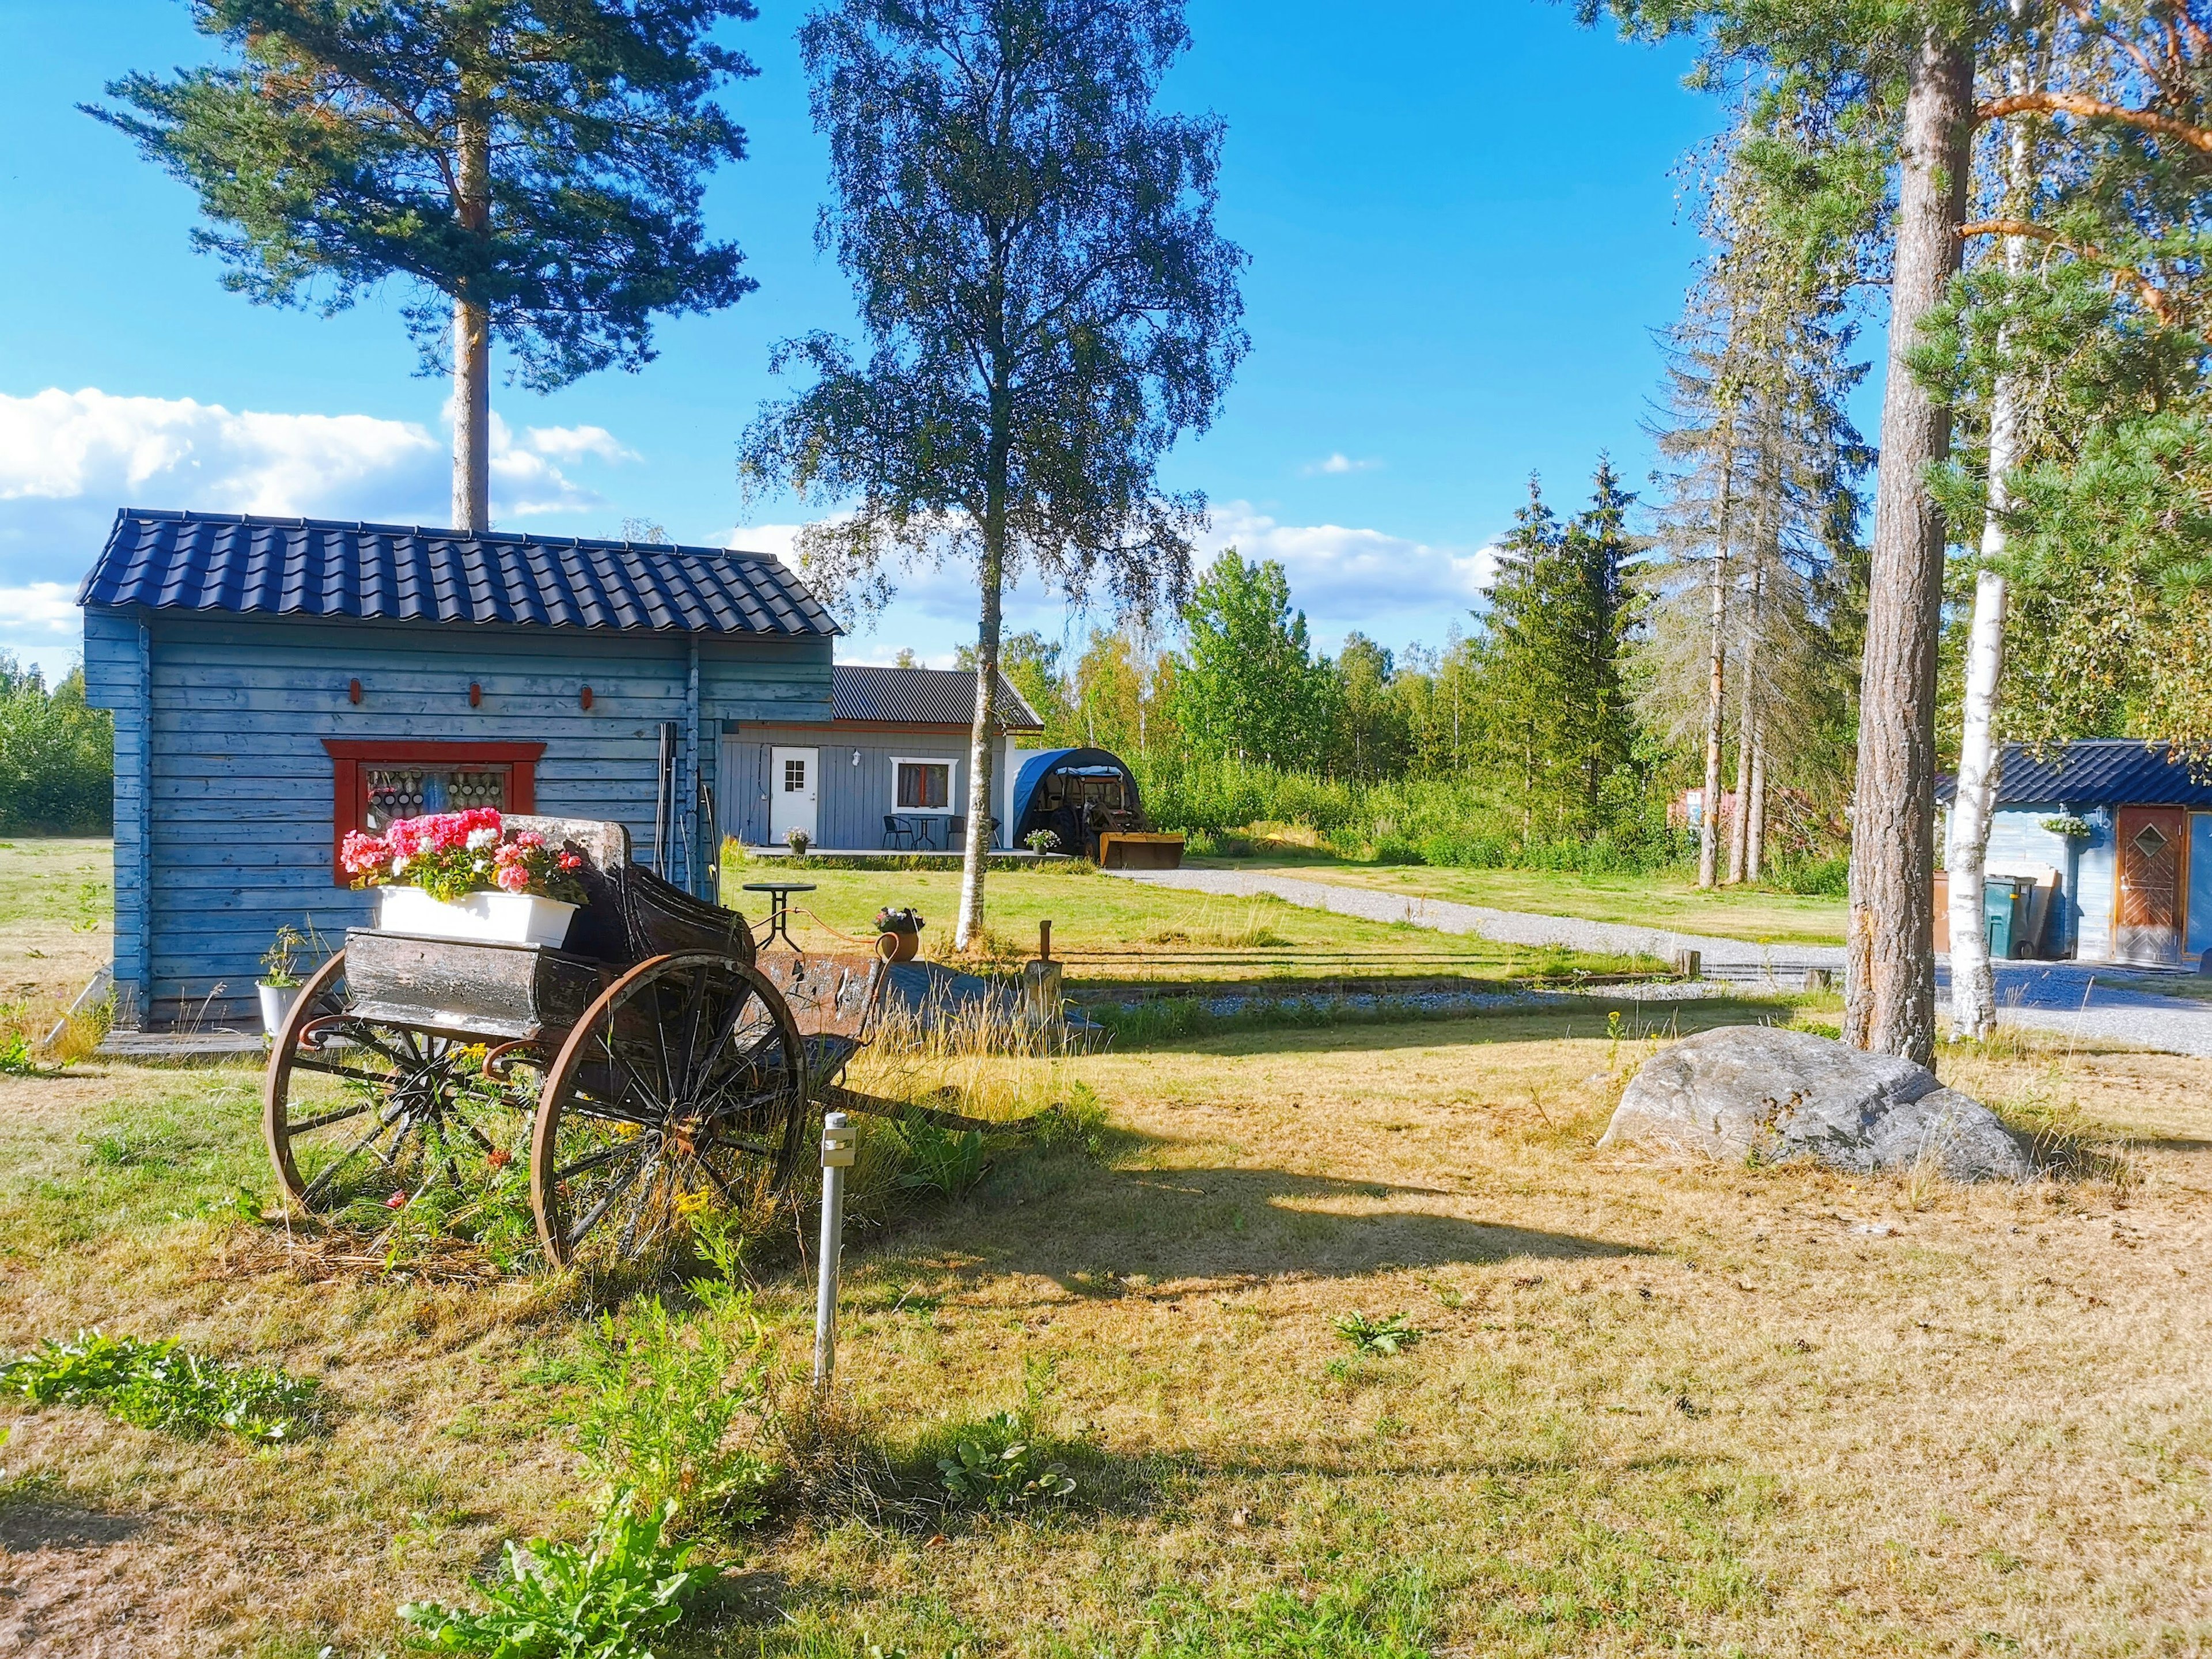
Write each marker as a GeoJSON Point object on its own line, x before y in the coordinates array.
{"type": "Point", "coordinates": [532, 169]}
{"type": "Point", "coordinates": [1048, 305]}
{"type": "Point", "coordinates": [1973, 982]}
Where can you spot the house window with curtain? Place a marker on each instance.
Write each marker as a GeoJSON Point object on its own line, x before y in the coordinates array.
{"type": "Point", "coordinates": [922, 786]}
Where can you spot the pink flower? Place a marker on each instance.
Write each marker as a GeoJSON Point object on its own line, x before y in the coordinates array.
{"type": "Point", "coordinates": [570, 861]}
{"type": "Point", "coordinates": [530, 838]}
{"type": "Point", "coordinates": [513, 878]}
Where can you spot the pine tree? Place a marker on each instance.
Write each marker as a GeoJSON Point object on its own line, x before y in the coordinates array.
{"type": "Point", "coordinates": [537, 166]}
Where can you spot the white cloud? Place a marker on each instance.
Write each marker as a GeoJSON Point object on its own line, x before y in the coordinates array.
{"type": "Point", "coordinates": [1339, 463]}
{"type": "Point", "coordinates": [572, 443]}
{"type": "Point", "coordinates": [38, 624]}
{"type": "Point", "coordinates": [69, 460]}
{"type": "Point", "coordinates": [1345, 578]}
{"type": "Point", "coordinates": [1391, 587]}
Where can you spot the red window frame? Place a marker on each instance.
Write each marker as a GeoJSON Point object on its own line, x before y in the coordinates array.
{"type": "Point", "coordinates": [351, 756]}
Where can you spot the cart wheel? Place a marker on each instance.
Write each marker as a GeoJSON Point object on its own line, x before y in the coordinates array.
{"type": "Point", "coordinates": [357, 1112]}
{"type": "Point", "coordinates": [682, 1087]}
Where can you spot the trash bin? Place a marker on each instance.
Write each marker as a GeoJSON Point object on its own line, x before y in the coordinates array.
{"type": "Point", "coordinates": [2004, 913]}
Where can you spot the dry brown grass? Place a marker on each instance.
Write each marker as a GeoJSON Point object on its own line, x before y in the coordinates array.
{"type": "Point", "coordinates": [1658, 1408]}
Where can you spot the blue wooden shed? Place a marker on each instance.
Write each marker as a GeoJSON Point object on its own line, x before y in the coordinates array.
{"type": "Point", "coordinates": [2137, 887]}
{"type": "Point", "coordinates": [277, 682]}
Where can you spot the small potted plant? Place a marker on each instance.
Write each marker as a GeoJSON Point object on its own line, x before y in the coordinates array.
{"type": "Point", "coordinates": [463, 875]}
{"type": "Point", "coordinates": [2070, 826]}
{"type": "Point", "coordinates": [279, 984]}
{"type": "Point", "coordinates": [797, 840]}
{"type": "Point", "coordinates": [1042, 842]}
{"type": "Point", "coordinates": [902, 927]}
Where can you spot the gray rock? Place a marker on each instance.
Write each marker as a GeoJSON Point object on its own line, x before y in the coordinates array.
{"type": "Point", "coordinates": [1753, 1089]}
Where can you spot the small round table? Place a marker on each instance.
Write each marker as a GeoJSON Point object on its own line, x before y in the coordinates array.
{"type": "Point", "coordinates": [779, 911]}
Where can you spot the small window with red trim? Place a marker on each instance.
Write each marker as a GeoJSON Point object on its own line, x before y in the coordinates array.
{"type": "Point", "coordinates": [375, 783]}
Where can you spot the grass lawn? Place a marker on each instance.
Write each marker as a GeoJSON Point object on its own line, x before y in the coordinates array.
{"type": "Point", "coordinates": [1651, 1409]}
{"type": "Point", "coordinates": [57, 927]}
{"type": "Point", "coordinates": [1661, 901]}
{"type": "Point", "coordinates": [1111, 931]}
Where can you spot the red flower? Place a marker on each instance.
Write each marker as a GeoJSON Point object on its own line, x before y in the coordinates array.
{"type": "Point", "coordinates": [499, 1159]}
{"type": "Point", "coordinates": [571, 861]}
{"type": "Point", "coordinates": [397, 1201]}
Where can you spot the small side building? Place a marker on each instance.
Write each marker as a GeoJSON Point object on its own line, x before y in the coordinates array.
{"type": "Point", "coordinates": [2136, 888]}
{"type": "Point", "coordinates": [278, 682]}
{"type": "Point", "coordinates": [886, 770]}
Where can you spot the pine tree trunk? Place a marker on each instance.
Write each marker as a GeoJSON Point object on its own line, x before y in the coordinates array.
{"type": "Point", "coordinates": [1973, 981]}
{"type": "Point", "coordinates": [1754, 839]}
{"type": "Point", "coordinates": [472, 340]}
{"type": "Point", "coordinates": [1890, 996]}
{"type": "Point", "coordinates": [1709, 825]}
{"type": "Point", "coordinates": [1747, 728]}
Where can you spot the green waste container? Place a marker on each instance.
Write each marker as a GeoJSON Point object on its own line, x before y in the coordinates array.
{"type": "Point", "coordinates": [2004, 913]}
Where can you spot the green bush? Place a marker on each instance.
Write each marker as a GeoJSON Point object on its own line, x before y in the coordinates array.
{"type": "Point", "coordinates": [56, 755]}
{"type": "Point", "coordinates": [1811, 877]}
{"type": "Point", "coordinates": [594, 1601]}
{"type": "Point", "coordinates": [160, 1385]}
{"type": "Point", "coordinates": [995, 1463]}
{"type": "Point", "coordinates": [945, 1162]}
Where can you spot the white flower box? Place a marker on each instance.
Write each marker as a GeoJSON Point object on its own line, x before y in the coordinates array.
{"type": "Point", "coordinates": [484, 918]}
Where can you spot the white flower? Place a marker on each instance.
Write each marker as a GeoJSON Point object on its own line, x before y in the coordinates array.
{"type": "Point", "coordinates": [482, 863]}
{"type": "Point", "coordinates": [480, 839]}
{"type": "Point", "coordinates": [399, 864]}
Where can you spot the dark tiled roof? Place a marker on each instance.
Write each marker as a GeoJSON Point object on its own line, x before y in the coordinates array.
{"type": "Point", "coordinates": [921, 696]}
{"type": "Point", "coordinates": [396, 572]}
{"type": "Point", "coordinates": [2093, 772]}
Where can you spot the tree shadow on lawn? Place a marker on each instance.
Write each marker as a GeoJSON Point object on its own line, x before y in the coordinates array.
{"type": "Point", "coordinates": [1272, 1028]}
{"type": "Point", "coordinates": [1092, 1231]}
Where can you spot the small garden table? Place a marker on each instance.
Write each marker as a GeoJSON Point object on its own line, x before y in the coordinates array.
{"type": "Point", "coordinates": [779, 912]}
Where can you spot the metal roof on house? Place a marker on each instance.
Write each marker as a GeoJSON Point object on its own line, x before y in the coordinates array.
{"type": "Point", "coordinates": [921, 696]}
{"type": "Point", "coordinates": [2093, 772]}
{"type": "Point", "coordinates": [257, 566]}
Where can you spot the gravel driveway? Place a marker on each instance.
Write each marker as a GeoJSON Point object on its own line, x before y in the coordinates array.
{"type": "Point", "coordinates": [2054, 996]}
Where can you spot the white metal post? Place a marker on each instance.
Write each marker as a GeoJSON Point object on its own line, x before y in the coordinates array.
{"type": "Point", "coordinates": [838, 1141]}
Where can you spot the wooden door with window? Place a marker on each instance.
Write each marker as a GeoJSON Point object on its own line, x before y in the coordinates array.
{"type": "Point", "coordinates": [2152, 860]}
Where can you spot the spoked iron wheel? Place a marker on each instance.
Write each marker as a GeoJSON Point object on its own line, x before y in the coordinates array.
{"type": "Point", "coordinates": [358, 1114]}
{"type": "Point", "coordinates": [682, 1090]}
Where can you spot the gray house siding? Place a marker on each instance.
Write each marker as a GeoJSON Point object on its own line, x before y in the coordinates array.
{"type": "Point", "coordinates": [852, 794]}
{"type": "Point", "coordinates": [224, 810]}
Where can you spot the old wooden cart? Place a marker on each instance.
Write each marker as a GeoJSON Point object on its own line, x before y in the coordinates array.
{"type": "Point", "coordinates": [648, 1071]}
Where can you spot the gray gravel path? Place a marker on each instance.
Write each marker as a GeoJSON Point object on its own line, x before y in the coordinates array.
{"type": "Point", "coordinates": [2054, 996]}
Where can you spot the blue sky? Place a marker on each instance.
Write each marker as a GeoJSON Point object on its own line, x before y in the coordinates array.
{"type": "Point", "coordinates": [1463, 220]}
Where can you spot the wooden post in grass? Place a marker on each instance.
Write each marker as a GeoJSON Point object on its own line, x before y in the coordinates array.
{"type": "Point", "coordinates": [1041, 980]}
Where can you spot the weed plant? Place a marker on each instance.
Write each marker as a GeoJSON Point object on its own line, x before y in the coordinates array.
{"type": "Point", "coordinates": [162, 1385]}
{"type": "Point", "coordinates": [599, 1600]}
{"type": "Point", "coordinates": [1389, 1336]}
{"type": "Point", "coordinates": [668, 1394]}
{"type": "Point", "coordinates": [1389, 1618]}
{"type": "Point", "coordinates": [995, 1464]}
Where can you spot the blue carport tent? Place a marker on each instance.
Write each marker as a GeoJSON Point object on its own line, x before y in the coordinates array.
{"type": "Point", "coordinates": [1030, 780]}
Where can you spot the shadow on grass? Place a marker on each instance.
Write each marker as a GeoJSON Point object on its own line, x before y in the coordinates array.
{"type": "Point", "coordinates": [1286, 1025]}
{"type": "Point", "coordinates": [1120, 1232]}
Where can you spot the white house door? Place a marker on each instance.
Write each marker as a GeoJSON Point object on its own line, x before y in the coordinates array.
{"type": "Point", "coordinates": [794, 783]}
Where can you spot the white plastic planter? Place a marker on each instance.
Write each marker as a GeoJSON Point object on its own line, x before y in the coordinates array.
{"type": "Point", "coordinates": [484, 918]}
{"type": "Point", "coordinates": [276, 1001]}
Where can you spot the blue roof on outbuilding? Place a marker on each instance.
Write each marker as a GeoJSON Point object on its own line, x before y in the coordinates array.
{"type": "Point", "coordinates": [2093, 772]}
{"type": "Point", "coordinates": [257, 566]}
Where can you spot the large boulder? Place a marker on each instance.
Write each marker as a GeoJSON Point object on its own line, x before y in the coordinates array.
{"type": "Point", "coordinates": [1754, 1089]}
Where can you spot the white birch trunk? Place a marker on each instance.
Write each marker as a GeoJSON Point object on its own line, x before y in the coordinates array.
{"type": "Point", "coordinates": [1973, 980]}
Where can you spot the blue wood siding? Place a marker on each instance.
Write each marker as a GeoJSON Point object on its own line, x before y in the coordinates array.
{"type": "Point", "coordinates": [2084, 897]}
{"type": "Point", "coordinates": [2198, 938]}
{"type": "Point", "coordinates": [852, 799]}
{"type": "Point", "coordinates": [238, 810]}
